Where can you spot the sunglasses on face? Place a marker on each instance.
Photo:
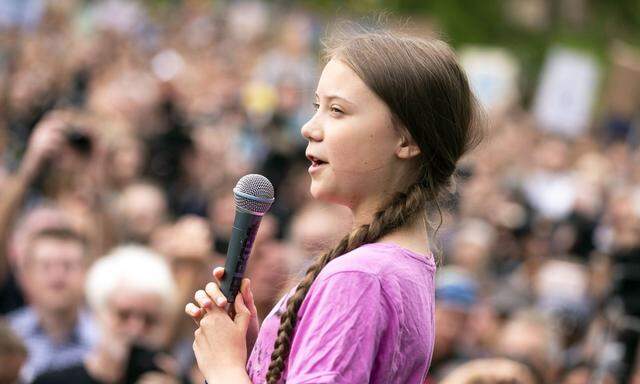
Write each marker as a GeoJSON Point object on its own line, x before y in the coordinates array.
{"type": "Point", "coordinates": [126, 314]}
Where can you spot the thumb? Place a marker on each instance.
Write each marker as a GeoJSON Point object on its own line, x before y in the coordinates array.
{"type": "Point", "coordinates": [243, 315]}
{"type": "Point", "coordinates": [247, 296]}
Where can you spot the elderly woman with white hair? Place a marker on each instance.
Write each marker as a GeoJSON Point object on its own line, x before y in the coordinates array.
{"type": "Point", "coordinates": [133, 296]}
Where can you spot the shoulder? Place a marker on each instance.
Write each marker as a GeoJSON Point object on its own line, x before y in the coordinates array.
{"type": "Point", "coordinates": [23, 320]}
{"type": "Point", "coordinates": [377, 259]}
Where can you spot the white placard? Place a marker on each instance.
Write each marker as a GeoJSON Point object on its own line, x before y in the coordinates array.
{"type": "Point", "coordinates": [493, 76]}
{"type": "Point", "coordinates": [567, 91]}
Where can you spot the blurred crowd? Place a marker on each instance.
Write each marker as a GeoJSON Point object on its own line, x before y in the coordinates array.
{"type": "Point", "coordinates": [124, 128]}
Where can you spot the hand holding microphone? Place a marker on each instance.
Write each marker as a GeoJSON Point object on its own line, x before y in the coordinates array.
{"type": "Point", "coordinates": [221, 341]}
{"type": "Point", "coordinates": [253, 197]}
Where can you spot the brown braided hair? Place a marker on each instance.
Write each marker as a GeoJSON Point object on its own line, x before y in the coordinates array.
{"type": "Point", "coordinates": [430, 100]}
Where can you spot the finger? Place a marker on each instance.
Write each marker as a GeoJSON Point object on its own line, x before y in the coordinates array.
{"type": "Point", "coordinates": [247, 296]}
{"type": "Point", "coordinates": [243, 315]}
{"type": "Point", "coordinates": [194, 311]}
{"type": "Point", "coordinates": [203, 299]}
{"type": "Point", "coordinates": [218, 272]}
{"type": "Point", "coordinates": [214, 292]}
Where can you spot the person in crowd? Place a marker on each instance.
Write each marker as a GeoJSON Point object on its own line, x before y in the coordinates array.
{"type": "Point", "coordinates": [187, 245]}
{"type": "Point", "coordinates": [491, 371]}
{"type": "Point", "coordinates": [133, 296]}
{"type": "Point", "coordinates": [269, 271]}
{"type": "Point", "coordinates": [125, 154]}
{"type": "Point", "coordinates": [50, 154]}
{"type": "Point", "coordinates": [140, 210]}
{"type": "Point", "coordinates": [530, 336]}
{"type": "Point", "coordinates": [44, 144]}
{"type": "Point", "coordinates": [56, 329]}
{"type": "Point", "coordinates": [316, 225]}
{"type": "Point", "coordinates": [472, 245]}
{"type": "Point", "coordinates": [456, 294]}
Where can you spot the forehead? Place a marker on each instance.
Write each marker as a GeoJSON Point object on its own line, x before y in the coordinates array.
{"type": "Point", "coordinates": [126, 297]}
{"type": "Point", "coordinates": [45, 246]}
{"type": "Point", "coordinates": [337, 79]}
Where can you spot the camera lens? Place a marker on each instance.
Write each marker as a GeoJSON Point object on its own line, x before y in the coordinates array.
{"type": "Point", "coordinates": [79, 141]}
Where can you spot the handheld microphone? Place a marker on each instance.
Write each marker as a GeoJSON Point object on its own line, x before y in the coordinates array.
{"type": "Point", "coordinates": [253, 196]}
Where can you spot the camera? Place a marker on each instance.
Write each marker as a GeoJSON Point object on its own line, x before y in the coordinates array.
{"type": "Point", "coordinates": [141, 361]}
{"type": "Point", "coordinates": [79, 140]}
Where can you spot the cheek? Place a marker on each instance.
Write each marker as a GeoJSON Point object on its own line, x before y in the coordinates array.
{"type": "Point", "coordinates": [360, 154]}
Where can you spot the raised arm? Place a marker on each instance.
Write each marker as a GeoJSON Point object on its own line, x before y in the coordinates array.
{"type": "Point", "coordinates": [44, 143]}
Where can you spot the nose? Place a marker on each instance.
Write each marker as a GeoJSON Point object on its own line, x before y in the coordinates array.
{"type": "Point", "coordinates": [312, 129]}
{"type": "Point", "coordinates": [135, 327]}
{"type": "Point", "coordinates": [59, 272]}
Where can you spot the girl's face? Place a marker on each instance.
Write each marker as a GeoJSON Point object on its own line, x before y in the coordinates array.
{"type": "Point", "coordinates": [355, 151]}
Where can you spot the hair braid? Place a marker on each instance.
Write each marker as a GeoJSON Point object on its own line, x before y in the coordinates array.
{"type": "Point", "coordinates": [399, 210]}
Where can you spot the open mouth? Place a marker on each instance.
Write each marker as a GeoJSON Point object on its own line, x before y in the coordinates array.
{"type": "Point", "coordinates": [315, 162]}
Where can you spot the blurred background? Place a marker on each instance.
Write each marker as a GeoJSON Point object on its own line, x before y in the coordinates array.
{"type": "Point", "coordinates": [124, 126]}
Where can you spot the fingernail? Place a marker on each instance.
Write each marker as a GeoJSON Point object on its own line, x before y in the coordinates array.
{"type": "Point", "coordinates": [220, 300]}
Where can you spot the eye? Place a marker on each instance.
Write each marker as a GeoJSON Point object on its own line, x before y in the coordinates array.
{"type": "Point", "coordinates": [335, 109]}
{"type": "Point", "coordinates": [316, 106]}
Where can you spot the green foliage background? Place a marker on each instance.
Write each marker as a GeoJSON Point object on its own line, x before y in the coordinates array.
{"type": "Point", "coordinates": [485, 22]}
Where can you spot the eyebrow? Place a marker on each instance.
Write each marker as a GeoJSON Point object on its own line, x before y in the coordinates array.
{"type": "Point", "coordinates": [332, 97]}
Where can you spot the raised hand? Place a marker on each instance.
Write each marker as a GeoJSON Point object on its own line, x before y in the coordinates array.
{"type": "Point", "coordinates": [45, 142]}
{"type": "Point", "coordinates": [221, 343]}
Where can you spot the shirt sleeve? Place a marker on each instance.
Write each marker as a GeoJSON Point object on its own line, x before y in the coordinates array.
{"type": "Point", "coordinates": [339, 329]}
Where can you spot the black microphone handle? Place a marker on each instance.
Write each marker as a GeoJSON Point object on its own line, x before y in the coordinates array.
{"type": "Point", "coordinates": [245, 227]}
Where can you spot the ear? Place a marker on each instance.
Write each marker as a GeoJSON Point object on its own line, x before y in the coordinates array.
{"type": "Point", "coordinates": [407, 148]}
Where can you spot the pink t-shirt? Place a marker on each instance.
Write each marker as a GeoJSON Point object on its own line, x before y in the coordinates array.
{"type": "Point", "coordinates": [368, 318]}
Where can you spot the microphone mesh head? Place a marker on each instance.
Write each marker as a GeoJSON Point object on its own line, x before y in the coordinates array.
{"type": "Point", "coordinates": [254, 193]}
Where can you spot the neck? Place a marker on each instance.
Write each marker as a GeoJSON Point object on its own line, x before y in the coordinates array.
{"type": "Point", "coordinates": [413, 236]}
{"type": "Point", "coordinates": [58, 324]}
{"type": "Point", "coordinates": [364, 207]}
{"type": "Point", "coordinates": [363, 212]}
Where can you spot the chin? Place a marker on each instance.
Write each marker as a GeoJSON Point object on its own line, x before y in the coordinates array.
{"type": "Point", "coordinates": [317, 191]}
{"type": "Point", "coordinates": [327, 195]}
{"type": "Point", "coordinates": [320, 191]}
